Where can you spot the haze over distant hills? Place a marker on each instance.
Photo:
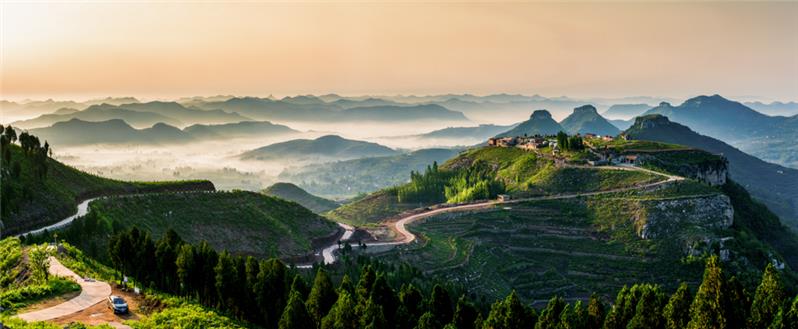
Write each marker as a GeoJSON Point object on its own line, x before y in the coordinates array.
{"type": "Point", "coordinates": [774, 185]}
{"type": "Point", "coordinates": [479, 132]}
{"type": "Point", "coordinates": [136, 114]}
{"type": "Point", "coordinates": [330, 147]}
{"type": "Point", "coordinates": [345, 179]}
{"type": "Point", "coordinates": [313, 109]}
{"type": "Point", "coordinates": [769, 137]}
{"type": "Point", "coordinates": [625, 111]}
{"type": "Point", "coordinates": [117, 131]}
{"type": "Point", "coordinates": [585, 119]}
{"type": "Point", "coordinates": [775, 108]}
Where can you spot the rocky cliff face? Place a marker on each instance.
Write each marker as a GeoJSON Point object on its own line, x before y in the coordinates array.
{"type": "Point", "coordinates": [663, 218]}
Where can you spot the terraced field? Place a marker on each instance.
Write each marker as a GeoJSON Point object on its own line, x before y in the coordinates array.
{"type": "Point", "coordinates": [569, 248]}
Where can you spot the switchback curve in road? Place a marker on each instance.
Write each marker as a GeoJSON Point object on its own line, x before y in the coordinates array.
{"type": "Point", "coordinates": [92, 292]}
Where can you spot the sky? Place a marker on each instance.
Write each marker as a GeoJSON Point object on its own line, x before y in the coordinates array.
{"type": "Point", "coordinates": [166, 50]}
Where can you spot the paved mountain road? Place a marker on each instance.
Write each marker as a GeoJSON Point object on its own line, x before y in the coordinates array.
{"type": "Point", "coordinates": [400, 226]}
{"type": "Point", "coordinates": [92, 292]}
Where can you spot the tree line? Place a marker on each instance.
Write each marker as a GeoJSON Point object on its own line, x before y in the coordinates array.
{"type": "Point", "coordinates": [34, 157]}
{"type": "Point", "coordinates": [569, 143]}
{"type": "Point", "coordinates": [476, 182]}
{"type": "Point", "coordinates": [268, 293]}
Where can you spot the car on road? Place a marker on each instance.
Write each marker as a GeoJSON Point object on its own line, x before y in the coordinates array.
{"type": "Point", "coordinates": [117, 304]}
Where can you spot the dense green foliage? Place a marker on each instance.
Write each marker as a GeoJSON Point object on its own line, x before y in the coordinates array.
{"type": "Point", "coordinates": [476, 182]}
{"type": "Point", "coordinates": [22, 282]}
{"type": "Point", "coordinates": [242, 222]}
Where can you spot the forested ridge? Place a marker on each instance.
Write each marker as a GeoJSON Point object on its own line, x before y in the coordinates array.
{"type": "Point", "coordinates": [366, 294]}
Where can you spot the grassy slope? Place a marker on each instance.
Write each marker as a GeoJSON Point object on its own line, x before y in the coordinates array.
{"type": "Point", "coordinates": [240, 222]}
{"type": "Point", "coordinates": [568, 247]}
{"type": "Point", "coordinates": [175, 312]}
{"type": "Point", "coordinates": [523, 172]}
{"type": "Point", "coordinates": [294, 193]}
{"type": "Point", "coordinates": [33, 202]}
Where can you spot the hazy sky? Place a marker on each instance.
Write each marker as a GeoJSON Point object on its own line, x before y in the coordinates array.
{"type": "Point", "coordinates": [608, 49]}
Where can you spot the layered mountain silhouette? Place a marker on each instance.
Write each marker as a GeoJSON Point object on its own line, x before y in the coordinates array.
{"type": "Point", "coordinates": [478, 132]}
{"type": "Point", "coordinates": [326, 147]}
{"type": "Point", "coordinates": [137, 115]}
{"type": "Point", "coordinates": [768, 137]}
{"type": "Point", "coordinates": [313, 109]}
{"type": "Point", "coordinates": [97, 113]}
{"type": "Point", "coordinates": [772, 184]}
{"type": "Point", "coordinates": [117, 131]}
{"type": "Point", "coordinates": [585, 119]}
{"type": "Point", "coordinates": [239, 130]}
{"type": "Point", "coordinates": [539, 123]}
{"type": "Point", "coordinates": [625, 111]}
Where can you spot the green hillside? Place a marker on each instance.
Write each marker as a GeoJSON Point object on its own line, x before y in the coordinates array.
{"type": "Point", "coordinates": [38, 192]}
{"type": "Point", "coordinates": [574, 247]}
{"type": "Point", "coordinates": [482, 173]}
{"type": "Point", "coordinates": [294, 193]}
{"type": "Point", "coordinates": [243, 223]}
{"type": "Point", "coordinates": [770, 183]}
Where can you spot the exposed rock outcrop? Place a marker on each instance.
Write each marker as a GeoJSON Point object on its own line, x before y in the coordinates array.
{"type": "Point", "coordinates": [662, 218]}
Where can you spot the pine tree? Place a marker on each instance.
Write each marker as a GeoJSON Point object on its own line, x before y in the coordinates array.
{"type": "Point", "coordinates": [373, 316]}
{"type": "Point", "coordinates": [465, 314]}
{"type": "Point", "coordinates": [441, 305]}
{"type": "Point", "coordinates": [574, 317]}
{"type": "Point", "coordinates": [787, 317]}
{"type": "Point", "coordinates": [648, 312]}
{"type": "Point", "coordinates": [677, 312]}
{"type": "Point", "coordinates": [595, 312]}
{"type": "Point", "coordinates": [768, 299]}
{"type": "Point", "coordinates": [383, 295]}
{"type": "Point", "coordinates": [428, 321]}
{"type": "Point", "coordinates": [226, 278]}
{"type": "Point", "coordinates": [550, 316]}
{"type": "Point", "coordinates": [510, 313]}
{"type": "Point", "coordinates": [707, 311]}
{"type": "Point", "coordinates": [346, 285]}
{"type": "Point", "coordinates": [295, 315]}
{"type": "Point", "coordinates": [410, 306]}
{"type": "Point", "coordinates": [342, 314]}
{"type": "Point", "coordinates": [322, 296]}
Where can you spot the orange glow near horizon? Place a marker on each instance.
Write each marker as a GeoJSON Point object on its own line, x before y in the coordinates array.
{"type": "Point", "coordinates": [169, 50]}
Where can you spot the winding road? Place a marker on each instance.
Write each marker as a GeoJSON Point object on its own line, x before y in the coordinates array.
{"type": "Point", "coordinates": [94, 292]}
{"type": "Point", "coordinates": [83, 209]}
{"type": "Point", "coordinates": [91, 293]}
{"type": "Point", "coordinates": [400, 225]}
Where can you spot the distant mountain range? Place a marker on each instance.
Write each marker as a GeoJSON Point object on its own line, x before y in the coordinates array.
{"type": "Point", "coordinates": [97, 113]}
{"type": "Point", "coordinates": [774, 185]}
{"type": "Point", "coordinates": [346, 179]}
{"type": "Point", "coordinates": [769, 137]}
{"type": "Point", "coordinates": [30, 109]}
{"type": "Point", "coordinates": [312, 109]}
{"type": "Point", "coordinates": [136, 114]}
{"type": "Point", "coordinates": [625, 111]}
{"type": "Point", "coordinates": [330, 147]}
{"type": "Point", "coordinates": [585, 119]}
{"type": "Point", "coordinates": [479, 132]}
{"type": "Point", "coordinates": [117, 131]}
{"type": "Point", "coordinates": [539, 123]}
{"type": "Point", "coordinates": [775, 108]}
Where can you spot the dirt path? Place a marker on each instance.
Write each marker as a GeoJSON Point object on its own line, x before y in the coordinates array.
{"type": "Point", "coordinates": [83, 209]}
{"type": "Point", "coordinates": [92, 292]}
